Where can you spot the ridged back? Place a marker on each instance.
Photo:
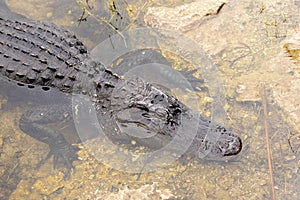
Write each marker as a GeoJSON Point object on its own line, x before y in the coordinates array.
{"type": "Point", "coordinates": [39, 53]}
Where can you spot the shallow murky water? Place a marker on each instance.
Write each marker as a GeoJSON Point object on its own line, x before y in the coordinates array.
{"type": "Point", "coordinates": [245, 52]}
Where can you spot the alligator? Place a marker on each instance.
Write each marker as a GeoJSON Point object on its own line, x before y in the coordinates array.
{"type": "Point", "coordinates": [40, 56]}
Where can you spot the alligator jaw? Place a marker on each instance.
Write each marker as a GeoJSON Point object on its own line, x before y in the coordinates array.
{"type": "Point", "coordinates": [138, 105]}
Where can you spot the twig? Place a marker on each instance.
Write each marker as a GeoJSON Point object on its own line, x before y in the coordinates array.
{"type": "Point", "coordinates": [264, 102]}
{"type": "Point", "coordinates": [102, 19]}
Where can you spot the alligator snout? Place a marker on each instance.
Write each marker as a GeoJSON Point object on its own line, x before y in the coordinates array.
{"type": "Point", "coordinates": [231, 148]}
{"type": "Point", "coordinates": [220, 146]}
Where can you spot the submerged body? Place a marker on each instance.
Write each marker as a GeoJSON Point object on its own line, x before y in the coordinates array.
{"type": "Point", "coordinates": [41, 56]}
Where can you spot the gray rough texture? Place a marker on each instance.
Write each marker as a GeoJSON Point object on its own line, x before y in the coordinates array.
{"type": "Point", "coordinates": [37, 54]}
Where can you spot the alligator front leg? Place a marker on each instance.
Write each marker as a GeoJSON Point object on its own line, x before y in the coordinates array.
{"type": "Point", "coordinates": [34, 123]}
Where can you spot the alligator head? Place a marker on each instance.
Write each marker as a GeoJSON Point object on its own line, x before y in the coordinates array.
{"type": "Point", "coordinates": [154, 118]}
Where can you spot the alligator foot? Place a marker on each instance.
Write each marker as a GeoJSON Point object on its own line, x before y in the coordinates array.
{"type": "Point", "coordinates": [64, 154]}
{"type": "Point", "coordinates": [34, 123]}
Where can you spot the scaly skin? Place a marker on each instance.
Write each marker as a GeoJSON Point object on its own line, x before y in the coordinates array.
{"type": "Point", "coordinates": [38, 54]}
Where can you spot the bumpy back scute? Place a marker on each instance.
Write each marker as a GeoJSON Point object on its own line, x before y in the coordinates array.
{"type": "Point", "coordinates": [39, 53]}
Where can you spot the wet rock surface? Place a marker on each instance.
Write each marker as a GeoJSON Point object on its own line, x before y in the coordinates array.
{"type": "Point", "coordinates": [248, 46]}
